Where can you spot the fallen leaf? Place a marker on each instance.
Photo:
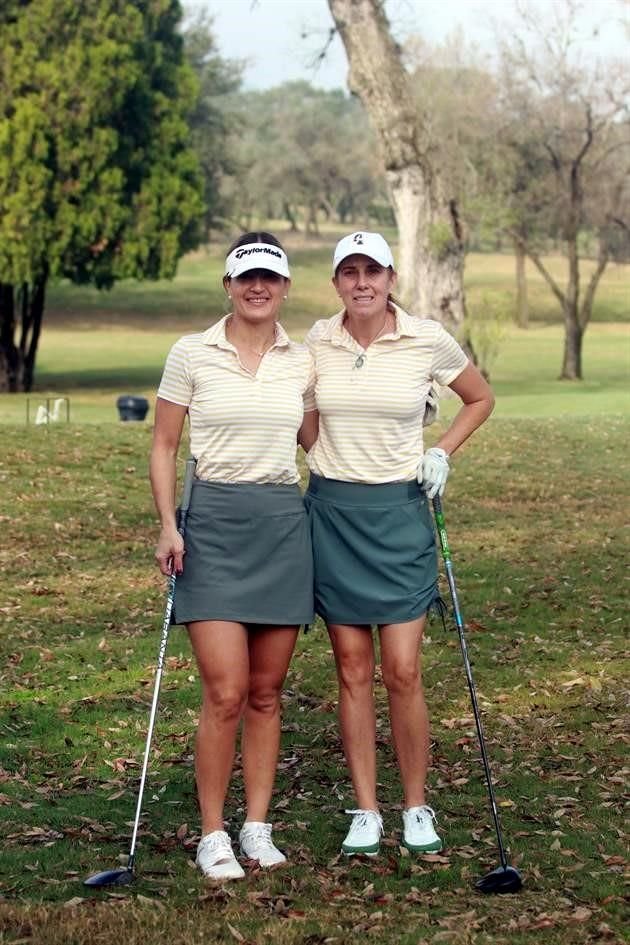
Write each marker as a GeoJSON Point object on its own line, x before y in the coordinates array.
{"type": "Point", "coordinates": [235, 933]}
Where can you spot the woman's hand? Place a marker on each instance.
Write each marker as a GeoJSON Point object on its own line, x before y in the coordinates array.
{"type": "Point", "coordinates": [433, 471]}
{"type": "Point", "coordinates": [169, 553]}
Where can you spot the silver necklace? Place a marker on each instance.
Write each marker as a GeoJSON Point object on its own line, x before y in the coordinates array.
{"type": "Point", "coordinates": [360, 361]}
{"type": "Point", "coordinates": [266, 346]}
{"type": "Point", "coordinates": [264, 350]}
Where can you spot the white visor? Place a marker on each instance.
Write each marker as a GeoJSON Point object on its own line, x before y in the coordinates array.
{"type": "Point", "coordinates": [257, 256]}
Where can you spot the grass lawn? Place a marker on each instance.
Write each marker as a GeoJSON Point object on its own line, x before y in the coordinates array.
{"type": "Point", "coordinates": [535, 512]}
{"type": "Point", "coordinates": [535, 518]}
{"type": "Point", "coordinates": [97, 345]}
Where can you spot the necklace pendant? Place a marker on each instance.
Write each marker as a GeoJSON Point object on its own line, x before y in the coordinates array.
{"type": "Point", "coordinates": [360, 361]}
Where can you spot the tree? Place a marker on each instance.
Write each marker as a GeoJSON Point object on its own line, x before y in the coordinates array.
{"type": "Point", "coordinates": [431, 249]}
{"type": "Point", "coordinates": [211, 120]}
{"type": "Point", "coordinates": [465, 125]}
{"type": "Point", "coordinates": [97, 178]}
{"type": "Point", "coordinates": [567, 127]}
{"type": "Point", "coordinates": [289, 159]}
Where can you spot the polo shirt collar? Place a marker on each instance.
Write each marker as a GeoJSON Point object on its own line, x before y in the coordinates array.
{"type": "Point", "coordinates": [337, 334]}
{"type": "Point", "coordinates": [215, 335]}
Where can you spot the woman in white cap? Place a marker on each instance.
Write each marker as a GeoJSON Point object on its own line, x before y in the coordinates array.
{"type": "Point", "coordinates": [373, 541]}
{"type": "Point", "coordinates": [245, 577]}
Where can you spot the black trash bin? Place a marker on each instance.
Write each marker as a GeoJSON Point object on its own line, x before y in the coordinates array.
{"type": "Point", "coordinates": [131, 407]}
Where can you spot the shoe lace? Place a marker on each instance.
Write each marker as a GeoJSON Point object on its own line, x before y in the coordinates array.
{"type": "Point", "coordinates": [217, 842]}
{"type": "Point", "coordinates": [260, 835]}
{"type": "Point", "coordinates": [361, 818]}
{"type": "Point", "coordinates": [421, 813]}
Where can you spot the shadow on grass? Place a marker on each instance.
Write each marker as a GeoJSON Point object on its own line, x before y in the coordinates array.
{"type": "Point", "coordinates": [112, 379]}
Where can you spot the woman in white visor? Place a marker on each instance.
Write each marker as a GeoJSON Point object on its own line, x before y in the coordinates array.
{"type": "Point", "coordinates": [244, 571]}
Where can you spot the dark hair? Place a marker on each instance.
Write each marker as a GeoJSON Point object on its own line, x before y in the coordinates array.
{"type": "Point", "coordinates": [256, 236]}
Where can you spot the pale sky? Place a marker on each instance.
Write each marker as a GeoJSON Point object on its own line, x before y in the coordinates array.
{"type": "Point", "coordinates": [267, 34]}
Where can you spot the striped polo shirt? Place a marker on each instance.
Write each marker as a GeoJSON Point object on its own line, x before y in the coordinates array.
{"type": "Point", "coordinates": [371, 402]}
{"type": "Point", "coordinates": [243, 426]}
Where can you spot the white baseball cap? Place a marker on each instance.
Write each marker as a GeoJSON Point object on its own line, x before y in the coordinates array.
{"type": "Point", "coordinates": [367, 244]}
{"type": "Point", "coordinates": [257, 256]}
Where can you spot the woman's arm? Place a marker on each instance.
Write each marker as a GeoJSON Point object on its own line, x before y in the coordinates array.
{"type": "Point", "coordinates": [478, 402]}
{"type": "Point", "coordinates": [308, 432]}
{"type": "Point", "coordinates": [167, 432]}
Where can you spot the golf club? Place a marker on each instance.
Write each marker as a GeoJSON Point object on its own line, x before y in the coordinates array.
{"type": "Point", "coordinates": [124, 875]}
{"type": "Point", "coordinates": [505, 878]}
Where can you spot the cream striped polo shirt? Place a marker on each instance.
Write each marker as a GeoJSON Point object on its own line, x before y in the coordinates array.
{"type": "Point", "coordinates": [371, 402]}
{"type": "Point", "coordinates": [243, 427]}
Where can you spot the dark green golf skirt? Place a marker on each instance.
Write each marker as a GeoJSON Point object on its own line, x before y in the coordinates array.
{"type": "Point", "coordinates": [374, 551]}
{"type": "Point", "coordinates": [248, 556]}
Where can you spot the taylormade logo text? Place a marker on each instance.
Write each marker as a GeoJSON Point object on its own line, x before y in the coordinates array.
{"type": "Point", "coordinates": [257, 249]}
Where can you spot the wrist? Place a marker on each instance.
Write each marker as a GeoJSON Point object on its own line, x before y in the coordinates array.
{"type": "Point", "coordinates": [439, 451]}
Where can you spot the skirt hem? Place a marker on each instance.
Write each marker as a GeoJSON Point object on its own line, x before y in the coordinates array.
{"type": "Point", "coordinates": [373, 621]}
{"type": "Point", "coordinates": [231, 618]}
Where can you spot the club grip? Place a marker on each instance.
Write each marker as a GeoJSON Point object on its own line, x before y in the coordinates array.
{"type": "Point", "coordinates": [189, 475]}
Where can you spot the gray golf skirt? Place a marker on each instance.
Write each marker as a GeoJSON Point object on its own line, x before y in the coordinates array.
{"type": "Point", "coordinates": [248, 556]}
{"type": "Point", "coordinates": [374, 551]}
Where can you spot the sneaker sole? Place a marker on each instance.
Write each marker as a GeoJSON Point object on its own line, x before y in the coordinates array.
{"type": "Point", "coordinates": [434, 847]}
{"type": "Point", "coordinates": [237, 872]}
{"type": "Point", "coordinates": [263, 864]}
{"type": "Point", "coordinates": [361, 851]}
{"type": "Point", "coordinates": [224, 878]}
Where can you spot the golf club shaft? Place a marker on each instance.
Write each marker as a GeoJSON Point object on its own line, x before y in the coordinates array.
{"type": "Point", "coordinates": [459, 620]}
{"type": "Point", "coordinates": [181, 527]}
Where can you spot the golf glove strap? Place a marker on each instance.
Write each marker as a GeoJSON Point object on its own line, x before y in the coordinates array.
{"type": "Point", "coordinates": [433, 471]}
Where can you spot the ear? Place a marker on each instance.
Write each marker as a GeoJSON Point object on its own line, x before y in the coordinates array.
{"type": "Point", "coordinates": [226, 284]}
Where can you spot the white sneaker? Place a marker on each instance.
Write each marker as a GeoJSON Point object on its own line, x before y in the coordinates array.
{"type": "Point", "coordinates": [215, 857]}
{"type": "Point", "coordinates": [365, 832]}
{"type": "Point", "coordinates": [256, 844]}
{"type": "Point", "coordinates": [418, 831]}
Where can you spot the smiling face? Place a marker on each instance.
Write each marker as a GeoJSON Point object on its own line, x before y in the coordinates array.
{"type": "Point", "coordinates": [257, 294]}
{"type": "Point", "coordinates": [363, 286]}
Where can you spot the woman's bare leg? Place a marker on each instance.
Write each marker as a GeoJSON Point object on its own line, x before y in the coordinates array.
{"type": "Point", "coordinates": [354, 655]}
{"type": "Point", "coordinates": [270, 651]}
{"type": "Point", "coordinates": [400, 665]}
{"type": "Point", "coordinates": [222, 655]}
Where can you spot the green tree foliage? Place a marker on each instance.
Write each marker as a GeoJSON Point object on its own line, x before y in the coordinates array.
{"type": "Point", "coordinates": [568, 133]}
{"type": "Point", "coordinates": [303, 153]}
{"type": "Point", "coordinates": [211, 119]}
{"type": "Point", "coordinates": [98, 180]}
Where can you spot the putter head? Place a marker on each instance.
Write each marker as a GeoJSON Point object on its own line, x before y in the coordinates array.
{"type": "Point", "coordinates": [505, 879]}
{"type": "Point", "coordinates": [119, 877]}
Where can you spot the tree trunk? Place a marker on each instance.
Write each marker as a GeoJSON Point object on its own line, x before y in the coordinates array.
{"type": "Point", "coordinates": [572, 357]}
{"type": "Point", "coordinates": [522, 305]}
{"type": "Point", "coordinates": [17, 361]}
{"type": "Point", "coordinates": [288, 212]}
{"type": "Point", "coordinates": [431, 250]}
{"type": "Point", "coordinates": [10, 374]}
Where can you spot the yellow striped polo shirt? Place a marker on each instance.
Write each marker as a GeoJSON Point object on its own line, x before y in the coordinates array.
{"type": "Point", "coordinates": [243, 426]}
{"type": "Point", "coordinates": [371, 402]}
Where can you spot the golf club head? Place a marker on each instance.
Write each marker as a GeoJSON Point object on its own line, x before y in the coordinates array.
{"type": "Point", "coordinates": [505, 879]}
{"type": "Point", "coordinates": [119, 877]}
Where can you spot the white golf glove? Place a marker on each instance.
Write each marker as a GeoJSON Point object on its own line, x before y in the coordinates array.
{"type": "Point", "coordinates": [433, 471]}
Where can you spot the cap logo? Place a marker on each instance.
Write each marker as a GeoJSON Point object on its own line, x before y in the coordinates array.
{"type": "Point", "coordinates": [256, 256]}
{"type": "Point", "coordinates": [257, 249]}
{"type": "Point", "coordinates": [358, 239]}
